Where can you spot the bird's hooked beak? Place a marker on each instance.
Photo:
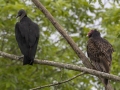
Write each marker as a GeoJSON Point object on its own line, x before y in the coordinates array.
{"type": "Point", "coordinates": [89, 33]}
{"type": "Point", "coordinates": [21, 15]}
{"type": "Point", "coordinates": [17, 16]}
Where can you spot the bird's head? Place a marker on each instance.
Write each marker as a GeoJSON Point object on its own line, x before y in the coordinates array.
{"type": "Point", "coordinates": [93, 33]}
{"type": "Point", "coordinates": [21, 13]}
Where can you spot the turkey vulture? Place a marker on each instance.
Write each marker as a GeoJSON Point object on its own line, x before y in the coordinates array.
{"type": "Point", "coordinates": [100, 52]}
{"type": "Point", "coordinates": [27, 36]}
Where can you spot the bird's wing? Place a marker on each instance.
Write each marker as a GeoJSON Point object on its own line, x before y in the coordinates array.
{"type": "Point", "coordinates": [91, 49]}
{"type": "Point", "coordinates": [33, 34]}
{"type": "Point", "coordinates": [99, 51]}
{"type": "Point", "coordinates": [20, 38]}
{"type": "Point", "coordinates": [105, 47]}
{"type": "Point", "coordinates": [30, 31]}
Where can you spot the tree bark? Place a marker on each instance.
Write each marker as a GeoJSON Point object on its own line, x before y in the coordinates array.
{"type": "Point", "coordinates": [60, 29]}
{"type": "Point", "coordinates": [65, 66]}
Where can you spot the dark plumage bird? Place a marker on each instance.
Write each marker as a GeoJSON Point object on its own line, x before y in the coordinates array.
{"type": "Point", "coordinates": [27, 36]}
{"type": "Point", "coordinates": [100, 52]}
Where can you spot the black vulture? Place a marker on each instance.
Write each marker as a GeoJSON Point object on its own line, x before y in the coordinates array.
{"type": "Point", "coordinates": [27, 36]}
{"type": "Point", "coordinates": [100, 52]}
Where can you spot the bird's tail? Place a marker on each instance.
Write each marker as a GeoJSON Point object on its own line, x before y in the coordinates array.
{"type": "Point", "coordinates": [105, 81]}
{"type": "Point", "coordinates": [28, 60]}
{"type": "Point", "coordinates": [107, 85]}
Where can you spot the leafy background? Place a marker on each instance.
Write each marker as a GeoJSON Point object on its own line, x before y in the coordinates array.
{"type": "Point", "coordinates": [77, 17]}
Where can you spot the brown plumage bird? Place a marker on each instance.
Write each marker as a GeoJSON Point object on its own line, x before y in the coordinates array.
{"type": "Point", "coordinates": [100, 52]}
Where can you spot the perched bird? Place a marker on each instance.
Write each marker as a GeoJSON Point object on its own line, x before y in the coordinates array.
{"type": "Point", "coordinates": [27, 36]}
{"type": "Point", "coordinates": [100, 52]}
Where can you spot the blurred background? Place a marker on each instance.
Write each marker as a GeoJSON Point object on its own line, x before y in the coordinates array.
{"type": "Point", "coordinates": [77, 17]}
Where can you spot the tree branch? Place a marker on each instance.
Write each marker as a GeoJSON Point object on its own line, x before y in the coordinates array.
{"type": "Point", "coordinates": [60, 29]}
{"type": "Point", "coordinates": [58, 83]}
{"type": "Point", "coordinates": [65, 66]}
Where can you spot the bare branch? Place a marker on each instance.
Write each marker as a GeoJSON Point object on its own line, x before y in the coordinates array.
{"type": "Point", "coordinates": [58, 83]}
{"type": "Point", "coordinates": [11, 56]}
{"type": "Point", "coordinates": [65, 66]}
{"type": "Point", "coordinates": [60, 29]}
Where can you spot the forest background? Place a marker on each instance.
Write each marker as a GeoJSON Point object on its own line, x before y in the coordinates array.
{"type": "Point", "coordinates": [77, 17]}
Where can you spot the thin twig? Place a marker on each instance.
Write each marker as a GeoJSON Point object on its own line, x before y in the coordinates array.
{"type": "Point", "coordinates": [70, 41]}
{"type": "Point", "coordinates": [58, 83]}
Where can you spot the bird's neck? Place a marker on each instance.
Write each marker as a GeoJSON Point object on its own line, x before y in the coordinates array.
{"type": "Point", "coordinates": [21, 19]}
{"type": "Point", "coordinates": [96, 35]}
{"type": "Point", "coordinates": [22, 16]}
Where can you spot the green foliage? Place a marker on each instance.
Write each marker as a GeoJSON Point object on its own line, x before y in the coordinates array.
{"type": "Point", "coordinates": [76, 16]}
